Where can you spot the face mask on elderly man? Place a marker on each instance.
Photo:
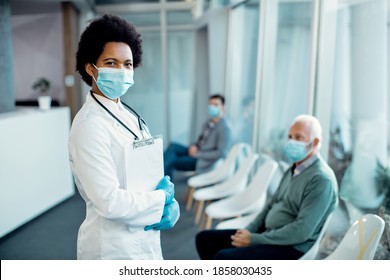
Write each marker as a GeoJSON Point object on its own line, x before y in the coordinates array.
{"type": "Point", "coordinates": [296, 150]}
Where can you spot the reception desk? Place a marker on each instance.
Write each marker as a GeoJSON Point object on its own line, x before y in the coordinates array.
{"type": "Point", "coordinates": [34, 167]}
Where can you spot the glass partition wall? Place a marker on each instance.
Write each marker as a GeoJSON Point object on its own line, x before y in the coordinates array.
{"type": "Point", "coordinates": [283, 71]}
{"type": "Point", "coordinates": [329, 59]}
{"type": "Point", "coordinates": [180, 76]}
{"type": "Point", "coordinates": [241, 69]}
{"type": "Point", "coordinates": [358, 96]}
{"type": "Point", "coordinates": [162, 92]}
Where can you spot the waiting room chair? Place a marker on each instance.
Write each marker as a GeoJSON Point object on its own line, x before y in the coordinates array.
{"type": "Point", "coordinates": [236, 184]}
{"type": "Point", "coordinates": [313, 251]}
{"type": "Point", "coordinates": [237, 223]}
{"type": "Point", "coordinates": [361, 240]}
{"type": "Point", "coordinates": [192, 173]}
{"type": "Point", "coordinates": [251, 200]}
{"type": "Point", "coordinates": [219, 174]}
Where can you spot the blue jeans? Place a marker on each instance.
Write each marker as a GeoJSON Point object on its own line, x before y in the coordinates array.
{"type": "Point", "coordinates": [176, 157]}
{"type": "Point", "coordinates": [216, 244]}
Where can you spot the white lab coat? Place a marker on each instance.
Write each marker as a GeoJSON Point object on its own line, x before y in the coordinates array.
{"type": "Point", "coordinates": [115, 216]}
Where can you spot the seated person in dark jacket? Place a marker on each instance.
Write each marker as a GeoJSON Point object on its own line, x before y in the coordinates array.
{"type": "Point", "coordinates": [212, 144]}
{"type": "Point", "coordinates": [291, 221]}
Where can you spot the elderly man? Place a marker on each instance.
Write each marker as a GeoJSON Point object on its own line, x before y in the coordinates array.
{"type": "Point", "coordinates": [212, 144]}
{"type": "Point", "coordinates": [291, 221]}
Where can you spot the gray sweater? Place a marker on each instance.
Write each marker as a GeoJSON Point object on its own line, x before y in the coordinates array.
{"type": "Point", "coordinates": [216, 146]}
{"type": "Point", "coordinates": [298, 209]}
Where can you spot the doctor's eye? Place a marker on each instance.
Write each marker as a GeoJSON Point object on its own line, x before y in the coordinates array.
{"type": "Point", "coordinates": [110, 63]}
{"type": "Point", "coordinates": [129, 65]}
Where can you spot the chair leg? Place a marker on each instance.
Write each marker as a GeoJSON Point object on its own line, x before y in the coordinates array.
{"type": "Point", "coordinates": [209, 222]}
{"type": "Point", "coordinates": [203, 221]}
{"type": "Point", "coordinates": [190, 198]}
{"type": "Point", "coordinates": [195, 208]}
{"type": "Point", "coordinates": [185, 197]}
{"type": "Point", "coordinates": [199, 212]}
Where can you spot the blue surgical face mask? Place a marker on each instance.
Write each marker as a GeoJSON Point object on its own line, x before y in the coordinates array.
{"type": "Point", "coordinates": [296, 150]}
{"type": "Point", "coordinates": [213, 111]}
{"type": "Point", "coordinates": [113, 82]}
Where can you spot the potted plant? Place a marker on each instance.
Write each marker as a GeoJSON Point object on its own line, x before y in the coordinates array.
{"type": "Point", "coordinates": [42, 85]}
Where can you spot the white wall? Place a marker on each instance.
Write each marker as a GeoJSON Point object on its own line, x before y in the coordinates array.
{"type": "Point", "coordinates": [38, 52]}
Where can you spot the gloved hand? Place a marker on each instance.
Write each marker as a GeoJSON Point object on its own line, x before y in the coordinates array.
{"type": "Point", "coordinates": [170, 216]}
{"type": "Point", "coordinates": [168, 187]}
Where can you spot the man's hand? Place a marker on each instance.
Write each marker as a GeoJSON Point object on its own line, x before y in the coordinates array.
{"type": "Point", "coordinates": [242, 238]}
{"type": "Point", "coordinates": [193, 151]}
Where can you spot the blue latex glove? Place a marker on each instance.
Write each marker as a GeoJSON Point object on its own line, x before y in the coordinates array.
{"type": "Point", "coordinates": [170, 216]}
{"type": "Point", "coordinates": [168, 187]}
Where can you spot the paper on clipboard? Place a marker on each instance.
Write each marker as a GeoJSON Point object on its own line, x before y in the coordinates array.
{"type": "Point", "coordinates": [144, 166]}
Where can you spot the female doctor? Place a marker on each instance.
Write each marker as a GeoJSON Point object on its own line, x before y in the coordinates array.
{"type": "Point", "coordinates": [122, 222]}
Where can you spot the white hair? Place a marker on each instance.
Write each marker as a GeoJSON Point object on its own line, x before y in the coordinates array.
{"type": "Point", "coordinates": [314, 125]}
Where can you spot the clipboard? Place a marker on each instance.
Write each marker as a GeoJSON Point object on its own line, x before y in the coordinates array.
{"type": "Point", "coordinates": [144, 164]}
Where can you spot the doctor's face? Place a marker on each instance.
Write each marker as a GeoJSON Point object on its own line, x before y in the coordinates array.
{"type": "Point", "coordinates": [116, 55]}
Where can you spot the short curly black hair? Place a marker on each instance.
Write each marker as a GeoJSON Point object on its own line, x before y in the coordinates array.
{"type": "Point", "coordinates": [107, 28]}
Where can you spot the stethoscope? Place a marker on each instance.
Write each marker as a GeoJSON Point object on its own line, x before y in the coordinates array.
{"type": "Point", "coordinates": [140, 120]}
